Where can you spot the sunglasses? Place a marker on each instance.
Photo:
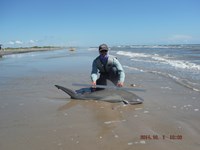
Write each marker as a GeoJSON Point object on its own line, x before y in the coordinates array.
{"type": "Point", "coordinates": [103, 51]}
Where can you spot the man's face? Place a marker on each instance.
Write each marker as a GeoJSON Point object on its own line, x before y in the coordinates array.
{"type": "Point", "coordinates": [103, 52]}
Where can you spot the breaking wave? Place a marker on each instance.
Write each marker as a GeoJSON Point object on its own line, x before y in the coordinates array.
{"type": "Point", "coordinates": [182, 64]}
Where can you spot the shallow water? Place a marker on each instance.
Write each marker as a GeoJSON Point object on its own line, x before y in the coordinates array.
{"type": "Point", "coordinates": [180, 63]}
{"type": "Point", "coordinates": [36, 63]}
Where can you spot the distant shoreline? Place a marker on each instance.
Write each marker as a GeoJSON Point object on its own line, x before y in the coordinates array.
{"type": "Point", "coordinates": [9, 51]}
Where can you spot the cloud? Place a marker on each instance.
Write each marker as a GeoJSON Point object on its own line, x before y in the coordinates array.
{"type": "Point", "coordinates": [11, 43]}
{"type": "Point", "coordinates": [15, 42]}
{"type": "Point", "coordinates": [180, 38]}
{"type": "Point", "coordinates": [18, 42]}
{"type": "Point", "coordinates": [33, 41]}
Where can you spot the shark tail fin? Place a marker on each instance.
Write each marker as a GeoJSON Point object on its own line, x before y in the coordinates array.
{"type": "Point", "coordinates": [70, 92]}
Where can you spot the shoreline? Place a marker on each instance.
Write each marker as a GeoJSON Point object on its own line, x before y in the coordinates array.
{"type": "Point", "coordinates": [27, 50]}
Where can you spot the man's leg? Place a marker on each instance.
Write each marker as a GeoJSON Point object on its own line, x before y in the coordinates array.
{"type": "Point", "coordinates": [101, 81]}
{"type": "Point", "coordinates": [113, 75]}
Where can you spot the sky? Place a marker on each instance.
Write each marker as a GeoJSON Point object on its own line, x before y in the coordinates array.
{"type": "Point", "coordinates": [92, 22]}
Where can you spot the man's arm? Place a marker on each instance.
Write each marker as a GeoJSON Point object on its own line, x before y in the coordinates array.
{"type": "Point", "coordinates": [94, 73]}
{"type": "Point", "coordinates": [120, 71]}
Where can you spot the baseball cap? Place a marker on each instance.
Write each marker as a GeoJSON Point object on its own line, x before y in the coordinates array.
{"type": "Point", "coordinates": [103, 47]}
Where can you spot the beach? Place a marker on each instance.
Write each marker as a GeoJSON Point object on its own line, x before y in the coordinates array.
{"type": "Point", "coordinates": [36, 115]}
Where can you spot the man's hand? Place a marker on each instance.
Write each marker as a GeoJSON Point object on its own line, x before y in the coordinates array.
{"type": "Point", "coordinates": [120, 84]}
{"type": "Point", "coordinates": [94, 84]}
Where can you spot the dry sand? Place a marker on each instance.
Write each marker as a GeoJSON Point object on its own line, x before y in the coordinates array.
{"type": "Point", "coordinates": [34, 115]}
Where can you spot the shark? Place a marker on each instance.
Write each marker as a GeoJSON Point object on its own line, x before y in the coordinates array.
{"type": "Point", "coordinates": [108, 95]}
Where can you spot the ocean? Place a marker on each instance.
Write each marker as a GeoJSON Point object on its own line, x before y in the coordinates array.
{"type": "Point", "coordinates": [180, 63]}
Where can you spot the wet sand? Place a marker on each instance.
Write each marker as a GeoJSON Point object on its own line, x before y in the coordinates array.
{"type": "Point", "coordinates": [36, 115]}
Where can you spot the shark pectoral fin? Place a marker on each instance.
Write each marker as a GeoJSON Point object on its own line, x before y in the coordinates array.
{"type": "Point", "coordinates": [125, 102]}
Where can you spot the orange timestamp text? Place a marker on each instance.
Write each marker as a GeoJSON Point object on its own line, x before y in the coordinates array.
{"type": "Point", "coordinates": [161, 137]}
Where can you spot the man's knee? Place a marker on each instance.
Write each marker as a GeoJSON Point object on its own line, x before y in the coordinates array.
{"type": "Point", "coordinates": [101, 81]}
{"type": "Point", "coordinates": [113, 72]}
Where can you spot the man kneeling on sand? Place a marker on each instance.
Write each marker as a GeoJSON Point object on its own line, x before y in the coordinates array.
{"type": "Point", "coordinates": [109, 68]}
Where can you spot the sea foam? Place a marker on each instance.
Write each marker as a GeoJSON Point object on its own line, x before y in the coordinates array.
{"type": "Point", "coordinates": [162, 59]}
